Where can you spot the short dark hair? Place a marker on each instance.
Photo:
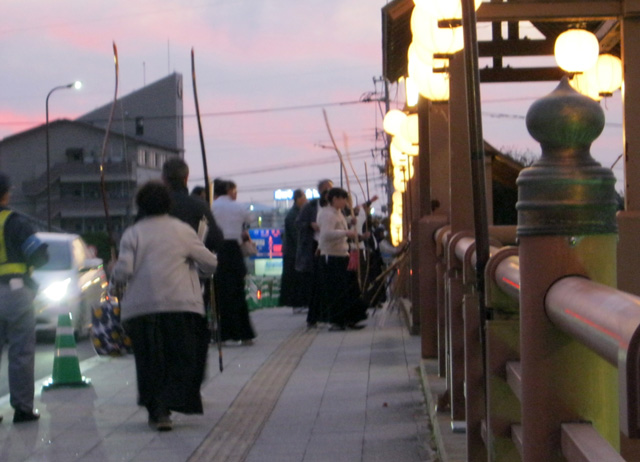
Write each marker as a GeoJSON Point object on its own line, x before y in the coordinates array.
{"type": "Point", "coordinates": [336, 192]}
{"type": "Point", "coordinates": [297, 194]}
{"type": "Point", "coordinates": [219, 187]}
{"type": "Point", "coordinates": [197, 190]}
{"type": "Point", "coordinates": [153, 198]}
{"type": "Point", "coordinates": [175, 172]}
{"type": "Point", "coordinates": [5, 184]}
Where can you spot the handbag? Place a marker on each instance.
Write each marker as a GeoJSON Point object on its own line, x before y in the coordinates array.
{"type": "Point", "coordinates": [107, 335]}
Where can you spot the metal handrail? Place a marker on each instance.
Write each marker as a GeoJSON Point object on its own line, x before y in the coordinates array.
{"type": "Point", "coordinates": [576, 306]}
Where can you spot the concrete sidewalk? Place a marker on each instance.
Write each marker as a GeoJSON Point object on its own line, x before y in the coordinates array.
{"type": "Point", "coordinates": [295, 395]}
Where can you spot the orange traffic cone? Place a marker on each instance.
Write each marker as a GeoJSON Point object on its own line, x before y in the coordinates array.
{"type": "Point", "coordinates": [66, 367]}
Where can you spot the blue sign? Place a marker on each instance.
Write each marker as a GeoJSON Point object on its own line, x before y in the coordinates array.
{"type": "Point", "coordinates": [268, 241]}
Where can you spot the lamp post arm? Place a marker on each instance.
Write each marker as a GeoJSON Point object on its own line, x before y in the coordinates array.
{"type": "Point", "coordinates": [59, 87]}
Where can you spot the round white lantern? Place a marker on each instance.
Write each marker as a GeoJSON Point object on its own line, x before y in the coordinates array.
{"type": "Point", "coordinates": [609, 74]}
{"type": "Point", "coordinates": [409, 129]}
{"type": "Point", "coordinates": [411, 92]}
{"type": "Point", "coordinates": [425, 30]}
{"type": "Point", "coordinates": [393, 121]}
{"type": "Point", "coordinates": [576, 50]}
{"type": "Point", "coordinates": [432, 85]}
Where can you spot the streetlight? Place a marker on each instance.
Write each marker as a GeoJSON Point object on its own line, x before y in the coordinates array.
{"type": "Point", "coordinates": [77, 85]}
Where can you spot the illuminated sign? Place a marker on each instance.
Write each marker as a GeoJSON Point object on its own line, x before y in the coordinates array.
{"type": "Point", "coordinates": [268, 242]}
{"type": "Point", "coordinates": [287, 194]}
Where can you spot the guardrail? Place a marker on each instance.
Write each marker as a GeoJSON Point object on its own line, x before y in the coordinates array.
{"type": "Point", "coordinates": [602, 318]}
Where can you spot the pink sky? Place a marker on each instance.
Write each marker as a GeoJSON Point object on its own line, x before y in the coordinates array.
{"type": "Point", "coordinates": [249, 55]}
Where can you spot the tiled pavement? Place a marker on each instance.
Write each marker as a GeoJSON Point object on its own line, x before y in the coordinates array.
{"type": "Point", "coordinates": [293, 396]}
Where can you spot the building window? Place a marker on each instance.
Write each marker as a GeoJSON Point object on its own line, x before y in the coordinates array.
{"type": "Point", "coordinates": [74, 154]}
{"type": "Point", "coordinates": [139, 126]}
{"type": "Point", "coordinates": [142, 156]}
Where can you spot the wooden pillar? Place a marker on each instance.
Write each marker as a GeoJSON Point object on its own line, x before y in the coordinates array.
{"type": "Point", "coordinates": [629, 219]}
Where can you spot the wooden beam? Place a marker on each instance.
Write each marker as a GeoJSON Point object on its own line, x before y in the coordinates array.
{"type": "Point", "coordinates": [510, 74]}
{"type": "Point", "coordinates": [550, 11]}
{"type": "Point", "coordinates": [516, 48]}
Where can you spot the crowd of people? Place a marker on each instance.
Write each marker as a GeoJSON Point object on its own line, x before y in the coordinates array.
{"type": "Point", "coordinates": [180, 261]}
{"type": "Point", "coordinates": [331, 259]}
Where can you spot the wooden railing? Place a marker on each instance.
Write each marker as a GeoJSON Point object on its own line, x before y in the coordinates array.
{"type": "Point", "coordinates": [604, 319]}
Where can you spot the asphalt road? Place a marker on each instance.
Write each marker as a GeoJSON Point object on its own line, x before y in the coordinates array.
{"type": "Point", "coordinates": [44, 361]}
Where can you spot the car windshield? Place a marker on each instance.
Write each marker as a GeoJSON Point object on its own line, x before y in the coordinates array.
{"type": "Point", "coordinates": [59, 257]}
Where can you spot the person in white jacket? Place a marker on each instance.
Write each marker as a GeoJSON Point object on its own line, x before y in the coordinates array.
{"type": "Point", "coordinates": [162, 308]}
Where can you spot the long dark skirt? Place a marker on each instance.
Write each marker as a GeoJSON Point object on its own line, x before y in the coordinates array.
{"type": "Point", "coordinates": [340, 292]}
{"type": "Point", "coordinates": [170, 352]}
{"type": "Point", "coordinates": [293, 292]}
{"type": "Point", "coordinates": [235, 323]}
{"type": "Point", "coordinates": [318, 311]}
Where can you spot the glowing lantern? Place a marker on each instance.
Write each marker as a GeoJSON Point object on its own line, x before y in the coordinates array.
{"type": "Point", "coordinates": [576, 50]}
{"type": "Point", "coordinates": [393, 121]}
{"type": "Point", "coordinates": [411, 92]}
{"type": "Point", "coordinates": [601, 80]}
{"type": "Point", "coordinates": [444, 9]}
{"type": "Point", "coordinates": [404, 171]}
{"type": "Point", "coordinates": [395, 228]}
{"type": "Point", "coordinates": [425, 30]}
{"type": "Point", "coordinates": [586, 83]}
{"type": "Point", "coordinates": [432, 85]}
{"type": "Point", "coordinates": [396, 200]}
{"type": "Point", "coordinates": [409, 129]}
{"type": "Point", "coordinates": [398, 158]}
{"type": "Point", "coordinates": [609, 74]}
{"type": "Point", "coordinates": [404, 145]}
{"type": "Point", "coordinates": [399, 183]}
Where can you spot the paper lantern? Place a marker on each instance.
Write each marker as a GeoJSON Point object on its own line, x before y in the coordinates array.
{"type": "Point", "coordinates": [444, 9]}
{"type": "Point", "coordinates": [404, 145]}
{"type": "Point", "coordinates": [608, 70]}
{"type": "Point", "coordinates": [576, 50]}
{"type": "Point", "coordinates": [411, 92]}
{"type": "Point", "coordinates": [425, 30]}
{"type": "Point", "coordinates": [393, 121]}
{"type": "Point", "coordinates": [431, 85]}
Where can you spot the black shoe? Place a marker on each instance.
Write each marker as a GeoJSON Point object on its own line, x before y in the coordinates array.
{"type": "Point", "coordinates": [162, 423]}
{"type": "Point", "coordinates": [25, 416]}
{"type": "Point", "coordinates": [355, 326]}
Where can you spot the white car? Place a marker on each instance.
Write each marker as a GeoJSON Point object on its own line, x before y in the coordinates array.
{"type": "Point", "coordinates": [73, 281]}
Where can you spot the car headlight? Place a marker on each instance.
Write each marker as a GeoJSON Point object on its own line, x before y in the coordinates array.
{"type": "Point", "coordinates": [56, 291]}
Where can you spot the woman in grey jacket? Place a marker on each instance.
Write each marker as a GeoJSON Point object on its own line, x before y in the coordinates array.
{"type": "Point", "coordinates": [162, 307]}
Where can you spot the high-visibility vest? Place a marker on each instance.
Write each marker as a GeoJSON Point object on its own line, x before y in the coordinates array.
{"type": "Point", "coordinates": [5, 266]}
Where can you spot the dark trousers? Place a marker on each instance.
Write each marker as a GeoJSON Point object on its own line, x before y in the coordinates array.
{"type": "Point", "coordinates": [340, 291]}
{"type": "Point", "coordinates": [170, 351]}
{"type": "Point", "coordinates": [235, 323]}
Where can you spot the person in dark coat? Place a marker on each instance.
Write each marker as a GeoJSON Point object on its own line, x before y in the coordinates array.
{"type": "Point", "coordinates": [306, 258]}
{"type": "Point", "coordinates": [196, 213]}
{"type": "Point", "coordinates": [291, 293]}
{"type": "Point", "coordinates": [191, 210]}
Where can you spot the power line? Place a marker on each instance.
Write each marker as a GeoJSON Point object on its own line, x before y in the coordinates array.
{"type": "Point", "coordinates": [291, 165]}
{"type": "Point", "coordinates": [219, 114]}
